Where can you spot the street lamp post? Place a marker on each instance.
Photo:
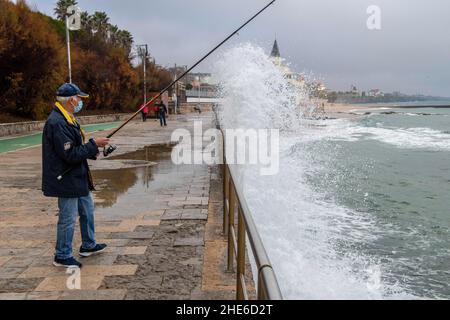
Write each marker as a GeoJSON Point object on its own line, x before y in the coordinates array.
{"type": "Point", "coordinates": [175, 95]}
{"type": "Point", "coordinates": [199, 88]}
{"type": "Point", "coordinates": [73, 22]}
{"type": "Point", "coordinates": [143, 50]}
{"type": "Point", "coordinates": [68, 49]}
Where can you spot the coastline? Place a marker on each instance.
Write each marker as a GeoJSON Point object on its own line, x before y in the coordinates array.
{"type": "Point", "coordinates": [342, 110]}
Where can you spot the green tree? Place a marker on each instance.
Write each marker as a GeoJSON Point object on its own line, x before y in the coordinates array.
{"type": "Point", "coordinates": [99, 23]}
{"type": "Point", "coordinates": [61, 8]}
{"type": "Point", "coordinates": [125, 41]}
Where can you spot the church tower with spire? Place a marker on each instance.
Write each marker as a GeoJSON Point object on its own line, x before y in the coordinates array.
{"type": "Point", "coordinates": [275, 55]}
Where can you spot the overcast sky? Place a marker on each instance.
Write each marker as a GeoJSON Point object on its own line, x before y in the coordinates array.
{"type": "Point", "coordinates": [411, 52]}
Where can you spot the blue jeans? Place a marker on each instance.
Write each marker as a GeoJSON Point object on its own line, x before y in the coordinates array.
{"type": "Point", "coordinates": [162, 119]}
{"type": "Point", "coordinates": [69, 208]}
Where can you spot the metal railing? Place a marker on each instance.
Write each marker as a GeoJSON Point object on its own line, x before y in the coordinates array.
{"type": "Point", "coordinates": [267, 284]}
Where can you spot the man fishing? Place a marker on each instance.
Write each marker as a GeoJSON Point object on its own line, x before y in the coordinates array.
{"type": "Point", "coordinates": [66, 173]}
{"type": "Point", "coordinates": [64, 147]}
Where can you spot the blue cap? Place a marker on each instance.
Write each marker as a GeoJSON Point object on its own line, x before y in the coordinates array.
{"type": "Point", "coordinates": [70, 90]}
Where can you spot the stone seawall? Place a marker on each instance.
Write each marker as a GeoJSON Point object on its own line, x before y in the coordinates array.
{"type": "Point", "coordinates": [22, 128]}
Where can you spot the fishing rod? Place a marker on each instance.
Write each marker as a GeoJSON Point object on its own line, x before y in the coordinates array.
{"type": "Point", "coordinates": [187, 71]}
{"type": "Point", "coordinates": [111, 148]}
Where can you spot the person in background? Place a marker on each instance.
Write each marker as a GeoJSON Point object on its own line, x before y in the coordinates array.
{"type": "Point", "coordinates": [144, 113]}
{"type": "Point", "coordinates": [66, 175]}
{"type": "Point", "coordinates": [162, 111]}
{"type": "Point", "coordinates": [155, 110]}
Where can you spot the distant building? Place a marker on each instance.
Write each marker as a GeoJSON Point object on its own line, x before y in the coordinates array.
{"type": "Point", "coordinates": [179, 89]}
{"type": "Point", "coordinates": [375, 93]}
{"type": "Point", "coordinates": [294, 78]}
{"type": "Point", "coordinates": [201, 84]}
{"type": "Point", "coordinates": [199, 78]}
{"type": "Point", "coordinates": [316, 89]}
{"type": "Point", "coordinates": [275, 54]}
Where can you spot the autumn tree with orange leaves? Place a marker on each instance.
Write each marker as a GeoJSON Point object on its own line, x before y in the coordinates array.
{"type": "Point", "coordinates": [33, 62]}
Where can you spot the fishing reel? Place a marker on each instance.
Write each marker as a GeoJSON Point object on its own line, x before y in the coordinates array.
{"type": "Point", "coordinates": [109, 149]}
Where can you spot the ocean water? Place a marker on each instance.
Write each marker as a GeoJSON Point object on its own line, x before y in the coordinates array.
{"type": "Point", "coordinates": [360, 207]}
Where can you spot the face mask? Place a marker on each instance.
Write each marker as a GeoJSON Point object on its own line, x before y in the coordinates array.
{"type": "Point", "coordinates": [78, 107]}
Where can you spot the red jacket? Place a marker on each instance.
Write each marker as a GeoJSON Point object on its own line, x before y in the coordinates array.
{"type": "Point", "coordinates": [145, 110]}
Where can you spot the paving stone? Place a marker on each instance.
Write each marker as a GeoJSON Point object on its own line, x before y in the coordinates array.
{"type": "Point", "coordinates": [175, 204]}
{"type": "Point", "coordinates": [192, 261]}
{"type": "Point", "coordinates": [18, 262]}
{"type": "Point", "coordinates": [115, 228]}
{"type": "Point", "coordinates": [226, 293]}
{"type": "Point", "coordinates": [149, 223]}
{"type": "Point", "coordinates": [55, 295]}
{"type": "Point", "coordinates": [88, 270]}
{"type": "Point", "coordinates": [18, 285]}
{"type": "Point", "coordinates": [108, 294]}
{"type": "Point", "coordinates": [173, 211]}
{"type": "Point", "coordinates": [190, 242]}
{"type": "Point", "coordinates": [28, 223]}
{"type": "Point", "coordinates": [134, 250]}
{"type": "Point", "coordinates": [10, 273]}
{"type": "Point", "coordinates": [171, 216]}
{"type": "Point", "coordinates": [115, 270]}
{"type": "Point", "coordinates": [194, 199]}
{"type": "Point", "coordinates": [192, 202]}
{"type": "Point", "coordinates": [153, 218]}
{"type": "Point", "coordinates": [153, 213]}
{"type": "Point", "coordinates": [42, 272]}
{"type": "Point", "coordinates": [192, 211]}
{"type": "Point", "coordinates": [114, 242]}
{"type": "Point", "coordinates": [43, 261]}
{"type": "Point", "coordinates": [194, 216]}
{"type": "Point", "coordinates": [101, 259]}
{"type": "Point", "coordinates": [3, 260]}
{"type": "Point", "coordinates": [132, 235]}
{"type": "Point", "coordinates": [19, 243]}
{"type": "Point", "coordinates": [25, 252]}
{"type": "Point", "coordinates": [13, 296]}
{"type": "Point", "coordinates": [128, 225]}
{"type": "Point", "coordinates": [63, 283]}
{"type": "Point", "coordinates": [49, 252]}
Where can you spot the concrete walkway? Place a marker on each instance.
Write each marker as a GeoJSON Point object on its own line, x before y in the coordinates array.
{"type": "Point", "coordinates": [162, 224]}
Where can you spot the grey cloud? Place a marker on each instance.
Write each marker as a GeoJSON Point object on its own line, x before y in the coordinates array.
{"type": "Point", "coordinates": [411, 53]}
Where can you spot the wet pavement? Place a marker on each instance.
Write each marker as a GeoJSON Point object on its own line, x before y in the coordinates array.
{"type": "Point", "coordinates": [162, 223]}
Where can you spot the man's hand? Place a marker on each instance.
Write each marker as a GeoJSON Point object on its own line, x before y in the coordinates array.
{"type": "Point", "coordinates": [101, 142]}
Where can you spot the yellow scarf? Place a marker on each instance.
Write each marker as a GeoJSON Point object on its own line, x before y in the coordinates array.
{"type": "Point", "coordinates": [70, 120]}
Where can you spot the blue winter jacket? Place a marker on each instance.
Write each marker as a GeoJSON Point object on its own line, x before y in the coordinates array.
{"type": "Point", "coordinates": [63, 148]}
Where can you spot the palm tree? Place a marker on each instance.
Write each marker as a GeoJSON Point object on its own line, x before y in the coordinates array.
{"type": "Point", "coordinates": [61, 8]}
{"type": "Point", "coordinates": [113, 31]}
{"type": "Point", "coordinates": [85, 21]}
{"type": "Point", "coordinates": [125, 40]}
{"type": "Point", "coordinates": [100, 23]}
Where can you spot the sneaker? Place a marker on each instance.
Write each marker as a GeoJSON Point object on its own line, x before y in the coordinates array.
{"type": "Point", "coordinates": [67, 263]}
{"type": "Point", "coordinates": [97, 249]}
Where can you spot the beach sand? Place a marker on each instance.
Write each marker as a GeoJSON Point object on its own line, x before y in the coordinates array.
{"type": "Point", "coordinates": [342, 110]}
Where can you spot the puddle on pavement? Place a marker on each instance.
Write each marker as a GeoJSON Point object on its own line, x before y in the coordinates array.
{"type": "Point", "coordinates": [130, 191]}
